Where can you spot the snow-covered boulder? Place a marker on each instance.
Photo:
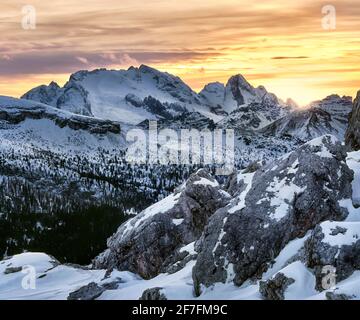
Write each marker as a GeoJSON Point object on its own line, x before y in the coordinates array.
{"type": "Point", "coordinates": [274, 205]}
{"type": "Point", "coordinates": [145, 242]}
{"type": "Point", "coordinates": [335, 244]}
{"type": "Point", "coordinates": [274, 289]}
{"type": "Point", "coordinates": [153, 294]}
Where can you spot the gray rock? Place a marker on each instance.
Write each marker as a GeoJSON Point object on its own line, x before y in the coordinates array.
{"type": "Point", "coordinates": [20, 110]}
{"type": "Point", "coordinates": [338, 230]}
{"type": "Point", "coordinates": [88, 292]}
{"type": "Point", "coordinates": [12, 270]}
{"type": "Point", "coordinates": [274, 289]}
{"type": "Point", "coordinates": [153, 294]}
{"type": "Point", "coordinates": [286, 199]}
{"type": "Point", "coordinates": [143, 244]}
{"type": "Point", "coordinates": [345, 258]}
{"type": "Point", "coordinates": [352, 138]}
{"type": "Point", "coordinates": [335, 296]}
{"type": "Point", "coordinates": [177, 261]}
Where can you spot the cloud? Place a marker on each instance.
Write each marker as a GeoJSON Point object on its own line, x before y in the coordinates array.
{"type": "Point", "coordinates": [5, 57]}
{"type": "Point", "coordinates": [284, 58]}
{"type": "Point", "coordinates": [272, 41]}
{"type": "Point", "coordinates": [83, 60]}
{"type": "Point", "coordinates": [69, 62]}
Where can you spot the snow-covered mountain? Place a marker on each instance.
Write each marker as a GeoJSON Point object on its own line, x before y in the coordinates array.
{"type": "Point", "coordinates": [123, 95]}
{"type": "Point", "coordinates": [137, 94]}
{"type": "Point", "coordinates": [254, 116]}
{"type": "Point", "coordinates": [328, 116]}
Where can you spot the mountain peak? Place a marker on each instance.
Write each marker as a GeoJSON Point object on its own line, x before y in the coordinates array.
{"type": "Point", "coordinates": [240, 81]}
{"type": "Point", "coordinates": [53, 84]}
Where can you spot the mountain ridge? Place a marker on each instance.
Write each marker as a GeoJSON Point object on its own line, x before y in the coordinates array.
{"type": "Point", "coordinates": [103, 93]}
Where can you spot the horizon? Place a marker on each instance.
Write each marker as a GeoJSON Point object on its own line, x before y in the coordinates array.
{"type": "Point", "coordinates": [292, 49]}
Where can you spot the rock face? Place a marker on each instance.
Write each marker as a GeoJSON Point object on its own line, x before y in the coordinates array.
{"type": "Point", "coordinates": [88, 292]}
{"type": "Point", "coordinates": [144, 243]}
{"type": "Point", "coordinates": [274, 289]}
{"type": "Point", "coordinates": [353, 132]}
{"type": "Point", "coordinates": [153, 294]}
{"type": "Point", "coordinates": [328, 116]}
{"type": "Point", "coordinates": [334, 296]}
{"type": "Point", "coordinates": [253, 116]}
{"type": "Point", "coordinates": [273, 205]}
{"type": "Point", "coordinates": [335, 244]}
{"type": "Point", "coordinates": [44, 94]}
{"type": "Point", "coordinates": [237, 92]}
{"type": "Point", "coordinates": [15, 111]}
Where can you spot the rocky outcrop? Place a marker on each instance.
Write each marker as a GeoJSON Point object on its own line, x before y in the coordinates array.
{"type": "Point", "coordinates": [12, 270]}
{"type": "Point", "coordinates": [144, 243]}
{"type": "Point", "coordinates": [88, 292]}
{"type": "Point", "coordinates": [75, 99]}
{"type": "Point", "coordinates": [275, 204]}
{"type": "Point", "coordinates": [153, 294]}
{"type": "Point", "coordinates": [335, 244]}
{"type": "Point", "coordinates": [274, 289]}
{"type": "Point", "coordinates": [353, 132]}
{"type": "Point", "coordinates": [15, 111]}
{"type": "Point", "coordinates": [334, 296]}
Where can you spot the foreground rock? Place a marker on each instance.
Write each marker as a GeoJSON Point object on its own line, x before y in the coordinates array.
{"type": "Point", "coordinates": [144, 243]}
{"type": "Point", "coordinates": [88, 292]}
{"type": "Point", "coordinates": [274, 289]}
{"type": "Point", "coordinates": [273, 205]}
{"type": "Point", "coordinates": [353, 132]}
{"type": "Point", "coordinates": [335, 244]}
{"type": "Point", "coordinates": [153, 294]}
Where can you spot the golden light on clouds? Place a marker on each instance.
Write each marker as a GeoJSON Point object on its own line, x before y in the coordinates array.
{"type": "Point", "coordinates": [279, 44]}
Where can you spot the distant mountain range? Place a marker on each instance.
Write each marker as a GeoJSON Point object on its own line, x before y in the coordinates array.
{"type": "Point", "coordinates": [138, 94]}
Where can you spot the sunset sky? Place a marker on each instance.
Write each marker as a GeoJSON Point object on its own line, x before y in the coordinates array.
{"type": "Point", "coordinates": [279, 43]}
